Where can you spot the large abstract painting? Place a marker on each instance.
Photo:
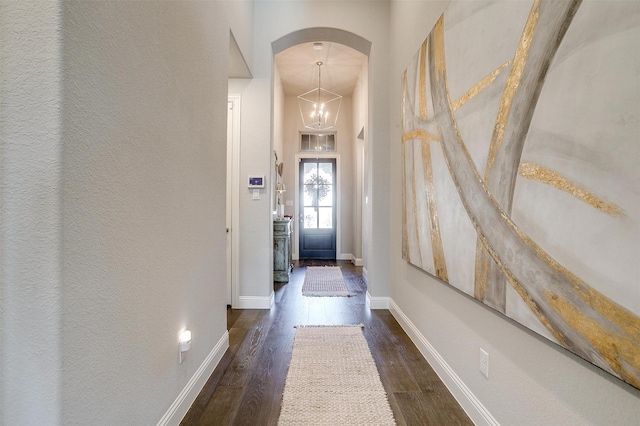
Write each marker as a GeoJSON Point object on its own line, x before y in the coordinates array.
{"type": "Point", "coordinates": [521, 167]}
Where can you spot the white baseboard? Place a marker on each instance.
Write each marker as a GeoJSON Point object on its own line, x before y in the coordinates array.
{"type": "Point", "coordinates": [256, 302]}
{"type": "Point", "coordinates": [470, 404]}
{"type": "Point", "coordinates": [182, 403]}
{"type": "Point", "coordinates": [374, 302]}
{"type": "Point", "coordinates": [352, 258]}
{"type": "Point", "coordinates": [344, 256]}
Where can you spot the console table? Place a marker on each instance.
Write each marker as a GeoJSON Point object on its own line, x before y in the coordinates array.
{"type": "Point", "coordinates": [282, 263]}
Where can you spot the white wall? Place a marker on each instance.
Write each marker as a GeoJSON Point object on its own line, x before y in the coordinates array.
{"type": "Point", "coordinates": [532, 381]}
{"type": "Point", "coordinates": [360, 121]}
{"type": "Point", "coordinates": [279, 117]}
{"type": "Point", "coordinates": [273, 20]}
{"type": "Point", "coordinates": [30, 144]}
{"type": "Point", "coordinates": [113, 188]}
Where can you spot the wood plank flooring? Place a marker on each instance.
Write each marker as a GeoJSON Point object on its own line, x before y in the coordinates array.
{"type": "Point", "coordinates": [246, 387]}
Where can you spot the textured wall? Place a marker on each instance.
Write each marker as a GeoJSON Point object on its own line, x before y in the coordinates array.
{"type": "Point", "coordinates": [30, 106]}
{"type": "Point", "coordinates": [145, 89]}
{"type": "Point", "coordinates": [531, 380]}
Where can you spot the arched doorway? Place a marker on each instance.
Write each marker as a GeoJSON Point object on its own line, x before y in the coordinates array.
{"type": "Point", "coordinates": [294, 61]}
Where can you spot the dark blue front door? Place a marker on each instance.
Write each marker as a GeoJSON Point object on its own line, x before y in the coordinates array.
{"type": "Point", "coordinates": [317, 221]}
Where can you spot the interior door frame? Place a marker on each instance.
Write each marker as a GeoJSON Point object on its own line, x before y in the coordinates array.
{"type": "Point", "coordinates": [296, 201]}
{"type": "Point", "coordinates": [233, 200]}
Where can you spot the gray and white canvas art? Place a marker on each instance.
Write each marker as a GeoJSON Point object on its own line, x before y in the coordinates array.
{"type": "Point", "coordinates": [521, 167]}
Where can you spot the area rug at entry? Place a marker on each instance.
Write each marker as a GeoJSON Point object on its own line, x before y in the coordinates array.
{"type": "Point", "coordinates": [324, 281]}
{"type": "Point", "coordinates": [333, 380]}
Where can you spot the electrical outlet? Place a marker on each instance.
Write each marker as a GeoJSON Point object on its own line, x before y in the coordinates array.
{"type": "Point", "coordinates": [484, 363]}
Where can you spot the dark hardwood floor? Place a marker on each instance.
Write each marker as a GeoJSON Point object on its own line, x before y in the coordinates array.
{"type": "Point", "coordinates": [246, 387]}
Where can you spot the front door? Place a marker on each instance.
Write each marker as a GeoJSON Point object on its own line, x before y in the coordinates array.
{"type": "Point", "coordinates": [317, 220]}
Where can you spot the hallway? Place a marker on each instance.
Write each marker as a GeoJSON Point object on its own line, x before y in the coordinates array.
{"type": "Point", "coordinates": [246, 387]}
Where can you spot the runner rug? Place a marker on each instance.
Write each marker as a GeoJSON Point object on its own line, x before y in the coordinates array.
{"type": "Point", "coordinates": [333, 380]}
{"type": "Point", "coordinates": [324, 281]}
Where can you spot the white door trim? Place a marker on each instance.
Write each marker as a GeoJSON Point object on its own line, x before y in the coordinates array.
{"type": "Point", "coordinates": [233, 199]}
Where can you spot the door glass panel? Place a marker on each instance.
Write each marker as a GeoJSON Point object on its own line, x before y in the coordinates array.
{"type": "Point", "coordinates": [310, 173]}
{"type": "Point", "coordinates": [319, 142]}
{"type": "Point", "coordinates": [311, 195]}
{"type": "Point", "coordinates": [331, 143]}
{"type": "Point", "coordinates": [310, 217]}
{"type": "Point", "coordinates": [325, 195]}
{"type": "Point", "coordinates": [325, 217]}
{"type": "Point", "coordinates": [326, 173]}
{"type": "Point", "coordinates": [304, 143]}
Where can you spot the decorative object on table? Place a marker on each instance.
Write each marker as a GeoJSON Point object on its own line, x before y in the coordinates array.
{"type": "Point", "coordinates": [324, 281]}
{"type": "Point", "coordinates": [333, 380]}
{"type": "Point", "coordinates": [280, 189]}
{"type": "Point", "coordinates": [520, 156]}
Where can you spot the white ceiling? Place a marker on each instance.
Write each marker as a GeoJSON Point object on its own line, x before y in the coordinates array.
{"type": "Point", "coordinates": [340, 70]}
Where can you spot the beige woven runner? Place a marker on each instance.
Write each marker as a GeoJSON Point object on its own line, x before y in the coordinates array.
{"type": "Point", "coordinates": [324, 281]}
{"type": "Point", "coordinates": [333, 380]}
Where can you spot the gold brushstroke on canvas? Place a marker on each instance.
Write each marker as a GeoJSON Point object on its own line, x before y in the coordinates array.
{"type": "Point", "coordinates": [481, 282]}
{"type": "Point", "coordinates": [607, 344]}
{"type": "Point", "coordinates": [438, 49]}
{"type": "Point", "coordinates": [482, 265]}
{"type": "Point", "coordinates": [479, 87]}
{"type": "Point", "coordinates": [526, 297]}
{"type": "Point", "coordinates": [423, 81]}
{"type": "Point", "coordinates": [405, 230]}
{"type": "Point", "coordinates": [511, 87]}
{"type": "Point", "coordinates": [488, 250]}
{"type": "Point", "coordinates": [616, 314]}
{"type": "Point", "coordinates": [439, 263]}
{"type": "Point", "coordinates": [419, 134]}
{"type": "Point", "coordinates": [414, 204]}
{"type": "Point", "coordinates": [606, 307]}
{"type": "Point", "coordinates": [610, 344]}
{"type": "Point", "coordinates": [549, 177]}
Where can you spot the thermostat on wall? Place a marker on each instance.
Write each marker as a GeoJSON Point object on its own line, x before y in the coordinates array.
{"type": "Point", "coordinates": [256, 181]}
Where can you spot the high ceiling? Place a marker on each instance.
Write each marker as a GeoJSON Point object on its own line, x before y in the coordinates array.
{"type": "Point", "coordinates": [340, 70]}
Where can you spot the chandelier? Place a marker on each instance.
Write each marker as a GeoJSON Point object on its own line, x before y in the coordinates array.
{"type": "Point", "coordinates": [319, 107]}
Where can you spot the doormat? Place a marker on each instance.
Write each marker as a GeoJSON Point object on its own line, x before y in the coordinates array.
{"type": "Point", "coordinates": [326, 281]}
{"type": "Point", "coordinates": [333, 380]}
